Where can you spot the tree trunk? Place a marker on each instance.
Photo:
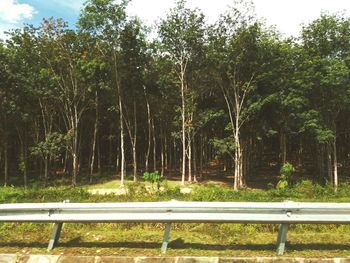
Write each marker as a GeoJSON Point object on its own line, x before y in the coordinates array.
{"type": "Point", "coordinates": [98, 157]}
{"type": "Point", "coordinates": [121, 123]}
{"type": "Point", "coordinates": [283, 148]}
{"type": "Point", "coordinates": [149, 133]}
{"type": "Point", "coordinates": [162, 156]}
{"type": "Point", "coordinates": [110, 154]}
{"type": "Point", "coordinates": [122, 150]}
{"type": "Point", "coordinates": [46, 169]}
{"type": "Point", "coordinates": [300, 153]}
{"type": "Point", "coordinates": [134, 144]}
{"type": "Point", "coordinates": [175, 154]}
{"type": "Point", "coordinates": [183, 120]}
{"type": "Point", "coordinates": [329, 164]}
{"type": "Point", "coordinates": [183, 111]}
{"type": "Point", "coordinates": [65, 161]}
{"type": "Point", "coordinates": [75, 158]}
{"type": "Point", "coordinates": [94, 138]}
{"type": "Point", "coordinates": [321, 161]}
{"type": "Point", "coordinates": [238, 172]}
{"type": "Point", "coordinates": [194, 161]}
{"type": "Point", "coordinates": [335, 160]}
{"type": "Point", "coordinates": [134, 159]}
{"type": "Point", "coordinates": [154, 147]}
{"type": "Point", "coordinates": [75, 168]}
{"type": "Point", "coordinates": [201, 154]}
{"type": "Point", "coordinates": [25, 172]}
{"type": "Point", "coordinates": [189, 145]}
{"type": "Point", "coordinates": [165, 152]}
{"type": "Point", "coordinates": [23, 156]}
{"type": "Point", "coordinates": [6, 167]}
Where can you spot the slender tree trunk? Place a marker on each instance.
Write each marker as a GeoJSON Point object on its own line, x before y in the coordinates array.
{"type": "Point", "coordinates": [6, 167]}
{"type": "Point", "coordinates": [93, 153]}
{"type": "Point", "coordinates": [201, 154]}
{"type": "Point", "coordinates": [118, 158]}
{"type": "Point", "coordinates": [154, 147]}
{"type": "Point", "coordinates": [300, 153]}
{"type": "Point", "coordinates": [75, 158]}
{"type": "Point", "coordinates": [194, 161]}
{"type": "Point", "coordinates": [23, 156]}
{"type": "Point", "coordinates": [189, 146]}
{"type": "Point", "coordinates": [65, 161]}
{"type": "Point", "coordinates": [98, 157]}
{"type": "Point", "coordinates": [335, 160]}
{"type": "Point", "coordinates": [329, 164]}
{"type": "Point", "coordinates": [321, 161]}
{"type": "Point", "coordinates": [238, 172]}
{"type": "Point", "coordinates": [162, 156]}
{"type": "Point", "coordinates": [122, 150]}
{"type": "Point", "coordinates": [46, 169]}
{"type": "Point", "coordinates": [170, 155]}
{"type": "Point", "coordinates": [149, 133]}
{"type": "Point", "coordinates": [110, 154]}
{"type": "Point", "coordinates": [175, 154]}
{"type": "Point", "coordinates": [121, 122]}
{"type": "Point", "coordinates": [25, 172]}
{"type": "Point", "coordinates": [135, 144]}
{"type": "Point", "coordinates": [283, 148]}
{"type": "Point", "coordinates": [183, 114]}
{"type": "Point", "coordinates": [165, 152]}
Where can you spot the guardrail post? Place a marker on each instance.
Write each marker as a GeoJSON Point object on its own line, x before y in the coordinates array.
{"type": "Point", "coordinates": [166, 237]}
{"type": "Point", "coordinates": [282, 238]}
{"type": "Point", "coordinates": [55, 235]}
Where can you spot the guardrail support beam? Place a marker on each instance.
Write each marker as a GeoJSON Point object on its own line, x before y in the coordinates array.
{"type": "Point", "coordinates": [282, 238]}
{"type": "Point", "coordinates": [55, 235]}
{"type": "Point", "coordinates": [166, 237]}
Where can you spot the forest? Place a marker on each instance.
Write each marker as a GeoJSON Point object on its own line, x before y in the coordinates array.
{"type": "Point", "coordinates": [108, 97]}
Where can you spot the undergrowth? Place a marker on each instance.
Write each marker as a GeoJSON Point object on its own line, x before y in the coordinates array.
{"type": "Point", "coordinates": [302, 191]}
{"type": "Point", "coordinates": [186, 239]}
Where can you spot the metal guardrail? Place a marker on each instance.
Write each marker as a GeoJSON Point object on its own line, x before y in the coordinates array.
{"type": "Point", "coordinates": [285, 213]}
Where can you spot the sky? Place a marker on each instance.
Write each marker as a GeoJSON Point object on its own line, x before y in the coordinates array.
{"type": "Point", "coordinates": [286, 15]}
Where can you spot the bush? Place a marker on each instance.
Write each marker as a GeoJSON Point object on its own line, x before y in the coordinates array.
{"type": "Point", "coordinates": [306, 188]}
{"type": "Point", "coordinates": [153, 177]}
{"type": "Point", "coordinates": [285, 176]}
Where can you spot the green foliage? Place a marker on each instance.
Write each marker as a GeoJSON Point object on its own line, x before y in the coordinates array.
{"type": "Point", "coordinates": [21, 164]}
{"type": "Point", "coordinates": [285, 176]}
{"type": "Point", "coordinates": [52, 146]}
{"type": "Point", "coordinates": [152, 177]}
{"type": "Point", "coordinates": [224, 146]}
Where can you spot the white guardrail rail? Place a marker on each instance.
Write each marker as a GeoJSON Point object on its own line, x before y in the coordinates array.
{"type": "Point", "coordinates": [284, 213]}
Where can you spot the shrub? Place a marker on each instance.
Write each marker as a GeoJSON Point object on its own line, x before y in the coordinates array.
{"type": "Point", "coordinates": [153, 177]}
{"type": "Point", "coordinates": [285, 176]}
{"type": "Point", "coordinates": [306, 188]}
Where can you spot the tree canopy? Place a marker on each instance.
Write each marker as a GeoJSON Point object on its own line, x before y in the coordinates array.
{"type": "Point", "coordinates": [231, 99]}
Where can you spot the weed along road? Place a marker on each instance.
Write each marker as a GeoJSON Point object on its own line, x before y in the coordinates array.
{"type": "Point", "coordinates": [284, 214]}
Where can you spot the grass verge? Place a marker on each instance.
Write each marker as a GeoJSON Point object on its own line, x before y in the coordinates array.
{"type": "Point", "coordinates": [232, 240]}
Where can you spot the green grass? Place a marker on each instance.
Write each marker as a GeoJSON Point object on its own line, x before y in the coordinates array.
{"type": "Point", "coordinates": [186, 239]}
{"type": "Point", "coordinates": [231, 240]}
{"type": "Point", "coordinates": [112, 184]}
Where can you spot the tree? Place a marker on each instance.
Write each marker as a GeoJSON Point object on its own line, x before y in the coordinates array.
{"type": "Point", "coordinates": [63, 53]}
{"type": "Point", "coordinates": [235, 61]}
{"type": "Point", "coordinates": [182, 38]}
{"type": "Point", "coordinates": [105, 19]}
{"type": "Point", "coordinates": [325, 42]}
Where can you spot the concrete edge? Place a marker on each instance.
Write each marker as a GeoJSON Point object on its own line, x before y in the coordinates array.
{"type": "Point", "coordinates": [17, 258]}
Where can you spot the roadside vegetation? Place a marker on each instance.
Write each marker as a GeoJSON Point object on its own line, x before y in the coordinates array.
{"type": "Point", "coordinates": [109, 96]}
{"type": "Point", "coordinates": [186, 239]}
{"type": "Point", "coordinates": [228, 111]}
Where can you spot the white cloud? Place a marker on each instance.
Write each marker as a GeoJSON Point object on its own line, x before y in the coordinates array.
{"type": "Point", "coordinates": [12, 12]}
{"type": "Point", "coordinates": [286, 15]}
